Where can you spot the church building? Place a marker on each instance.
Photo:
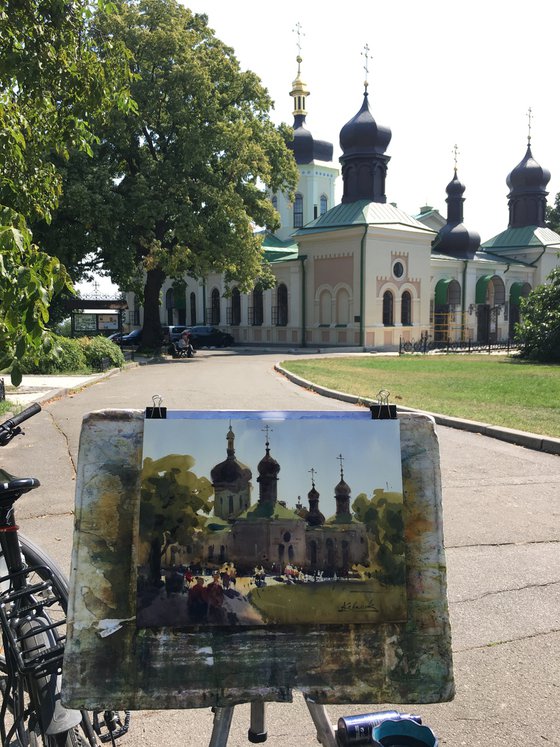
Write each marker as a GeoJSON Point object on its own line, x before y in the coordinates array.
{"type": "Point", "coordinates": [363, 273]}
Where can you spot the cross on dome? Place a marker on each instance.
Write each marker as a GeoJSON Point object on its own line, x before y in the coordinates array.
{"type": "Point", "coordinates": [367, 57]}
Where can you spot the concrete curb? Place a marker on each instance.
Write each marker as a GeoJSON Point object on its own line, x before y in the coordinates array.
{"type": "Point", "coordinates": [519, 438]}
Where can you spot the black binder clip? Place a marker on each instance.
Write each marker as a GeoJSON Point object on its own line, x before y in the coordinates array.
{"type": "Point", "coordinates": [382, 410]}
{"type": "Point", "coordinates": [157, 412]}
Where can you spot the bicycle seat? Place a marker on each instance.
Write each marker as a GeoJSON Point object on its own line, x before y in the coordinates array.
{"type": "Point", "coordinates": [12, 487]}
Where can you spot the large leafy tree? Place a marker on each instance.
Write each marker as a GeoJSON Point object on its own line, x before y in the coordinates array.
{"type": "Point", "coordinates": [553, 215]}
{"type": "Point", "coordinates": [178, 187]}
{"type": "Point", "coordinates": [53, 80]}
{"type": "Point", "coordinates": [538, 333]}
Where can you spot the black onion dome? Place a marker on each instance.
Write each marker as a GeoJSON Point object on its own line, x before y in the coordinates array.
{"type": "Point", "coordinates": [268, 466]}
{"type": "Point", "coordinates": [528, 176]}
{"type": "Point", "coordinates": [455, 188]}
{"type": "Point", "coordinates": [230, 471]}
{"type": "Point", "coordinates": [456, 240]}
{"type": "Point", "coordinates": [362, 134]}
{"type": "Point", "coordinates": [342, 489]}
{"type": "Point", "coordinates": [304, 146]}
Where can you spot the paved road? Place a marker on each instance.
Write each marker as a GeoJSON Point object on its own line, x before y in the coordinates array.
{"type": "Point", "coordinates": [502, 532]}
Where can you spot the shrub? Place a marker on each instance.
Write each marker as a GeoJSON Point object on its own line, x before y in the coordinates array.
{"type": "Point", "coordinates": [99, 350]}
{"type": "Point", "coordinates": [66, 355]}
{"type": "Point", "coordinates": [539, 331]}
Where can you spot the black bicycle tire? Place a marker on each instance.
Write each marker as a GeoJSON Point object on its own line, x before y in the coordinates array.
{"type": "Point", "coordinates": [35, 557]}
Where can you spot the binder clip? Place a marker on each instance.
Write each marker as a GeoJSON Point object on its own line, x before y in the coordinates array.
{"type": "Point", "coordinates": [382, 410]}
{"type": "Point", "coordinates": [156, 412]}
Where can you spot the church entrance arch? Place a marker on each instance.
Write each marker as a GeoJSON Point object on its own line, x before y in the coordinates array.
{"type": "Point", "coordinates": [517, 291]}
{"type": "Point", "coordinates": [447, 299]}
{"type": "Point", "coordinates": [490, 299]}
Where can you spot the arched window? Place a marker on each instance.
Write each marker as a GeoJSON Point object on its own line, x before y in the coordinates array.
{"type": "Point", "coordinates": [215, 306]}
{"type": "Point", "coordinates": [342, 306]}
{"type": "Point", "coordinates": [406, 309]}
{"type": "Point", "coordinates": [193, 308]}
{"type": "Point", "coordinates": [298, 211]}
{"type": "Point", "coordinates": [258, 307]}
{"type": "Point", "coordinates": [325, 307]}
{"type": "Point", "coordinates": [388, 309]}
{"type": "Point", "coordinates": [324, 204]}
{"type": "Point", "coordinates": [282, 303]}
{"type": "Point", "coordinates": [235, 307]}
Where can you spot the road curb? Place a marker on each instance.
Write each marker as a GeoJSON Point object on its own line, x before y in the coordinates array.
{"type": "Point", "coordinates": [533, 441]}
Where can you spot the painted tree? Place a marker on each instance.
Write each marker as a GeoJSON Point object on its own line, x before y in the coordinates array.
{"type": "Point", "coordinates": [178, 187]}
{"type": "Point", "coordinates": [173, 503]}
{"type": "Point", "coordinates": [538, 333]}
{"type": "Point", "coordinates": [383, 516]}
{"type": "Point", "coordinates": [53, 80]}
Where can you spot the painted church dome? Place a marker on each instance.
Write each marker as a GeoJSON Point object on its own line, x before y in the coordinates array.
{"type": "Point", "coordinates": [231, 471]}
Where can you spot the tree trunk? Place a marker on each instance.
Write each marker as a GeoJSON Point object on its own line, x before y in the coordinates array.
{"type": "Point", "coordinates": [151, 334]}
{"type": "Point", "coordinates": [155, 561]}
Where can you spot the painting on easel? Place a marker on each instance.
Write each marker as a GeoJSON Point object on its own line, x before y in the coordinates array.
{"type": "Point", "coordinates": [270, 518]}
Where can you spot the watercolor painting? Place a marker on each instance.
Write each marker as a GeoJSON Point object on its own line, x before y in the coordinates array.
{"type": "Point", "coordinates": [270, 518]}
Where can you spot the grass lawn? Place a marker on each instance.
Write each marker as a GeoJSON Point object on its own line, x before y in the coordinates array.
{"type": "Point", "coordinates": [499, 390]}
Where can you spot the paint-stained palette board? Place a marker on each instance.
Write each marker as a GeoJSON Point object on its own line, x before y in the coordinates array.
{"type": "Point", "coordinates": [118, 655]}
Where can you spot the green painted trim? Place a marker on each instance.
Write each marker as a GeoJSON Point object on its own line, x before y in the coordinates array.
{"type": "Point", "coordinates": [442, 287]}
{"type": "Point", "coordinates": [481, 287]}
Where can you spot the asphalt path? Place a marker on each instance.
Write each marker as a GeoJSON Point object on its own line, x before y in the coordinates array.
{"type": "Point", "coordinates": [502, 533]}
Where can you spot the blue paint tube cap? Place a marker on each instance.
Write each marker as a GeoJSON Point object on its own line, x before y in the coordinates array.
{"type": "Point", "coordinates": [403, 733]}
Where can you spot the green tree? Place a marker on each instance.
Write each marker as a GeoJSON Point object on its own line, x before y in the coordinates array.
{"type": "Point", "coordinates": [178, 187]}
{"type": "Point", "coordinates": [538, 333]}
{"type": "Point", "coordinates": [553, 215]}
{"type": "Point", "coordinates": [173, 503]}
{"type": "Point", "coordinates": [53, 80]}
{"type": "Point", "coordinates": [28, 280]}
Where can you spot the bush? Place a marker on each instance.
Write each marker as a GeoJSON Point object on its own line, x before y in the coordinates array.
{"type": "Point", "coordinates": [539, 331]}
{"type": "Point", "coordinates": [101, 353]}
{"type": "Point", "coordinates": [66, 356]}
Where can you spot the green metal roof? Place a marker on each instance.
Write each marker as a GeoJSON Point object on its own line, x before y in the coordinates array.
{"type": "Point", "coordinates": [276, 250]}
{"type": "Point", "coordinates": [522, 238]}
{"type": "Point", "coordinates": [361, 213]}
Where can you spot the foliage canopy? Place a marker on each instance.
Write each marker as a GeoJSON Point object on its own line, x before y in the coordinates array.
{"type": "Point", "coordinates": [539, 331]}
{"type": "Point", "coordinates": [178, 186]}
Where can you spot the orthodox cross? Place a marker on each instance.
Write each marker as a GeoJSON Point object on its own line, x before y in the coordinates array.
{"type": "Point", "coordinates": [341, 459]}
{"type": "Point", "coordinates": [299, 32]}
{"type": "Point", "coordinates": [267, 430]}
{"type": "Point", "coordinates": [455, 152]}
{"type": "Point", "coordinates": [529, 117]}
{"type": "Point", "coordinates": [367, 56]}
{"type": "Point", "coordinates": [313, 473]}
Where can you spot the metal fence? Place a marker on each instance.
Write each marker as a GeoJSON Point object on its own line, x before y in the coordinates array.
{"type": "Point", "coordinates": [427, 345]}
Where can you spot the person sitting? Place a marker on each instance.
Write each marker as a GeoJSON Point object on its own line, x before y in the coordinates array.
{"type": "Point", "coordinates": [183, 347]}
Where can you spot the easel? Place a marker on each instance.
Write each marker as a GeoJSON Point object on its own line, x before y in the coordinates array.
{"type": "Point", "coordinates": [257, 729]}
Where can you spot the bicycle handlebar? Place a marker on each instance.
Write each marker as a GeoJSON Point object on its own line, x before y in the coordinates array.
{"type": "Point", "coordinates": [23, 415]}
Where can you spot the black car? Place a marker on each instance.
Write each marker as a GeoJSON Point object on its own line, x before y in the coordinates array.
{"type": "Point", "coordinates": [132, 338]}
{"type": "Point", "coordinates": [209, 337]}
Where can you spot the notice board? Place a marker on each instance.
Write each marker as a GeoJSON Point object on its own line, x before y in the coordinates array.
{"type": "Point", "coordinates": [224, 557]}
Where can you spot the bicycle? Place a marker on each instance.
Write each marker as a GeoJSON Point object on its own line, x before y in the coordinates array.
{"type": "Point", "coordinates": [33, 606]}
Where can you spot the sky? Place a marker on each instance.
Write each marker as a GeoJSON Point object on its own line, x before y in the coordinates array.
{"type": "Point", "coordinates": [298, 441]}
{"type": "Point", "coordinates": [440, 74]}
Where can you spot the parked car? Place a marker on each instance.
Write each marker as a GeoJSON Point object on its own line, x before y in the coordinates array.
{"type": "Point", "coordinates": [172, 333]}
{"type": "Point", "coordinates": [116, 337]}
{"type": "Point", "coordinates": [209, 337]}
{"type": "Point", "coordinates": [132, 338]}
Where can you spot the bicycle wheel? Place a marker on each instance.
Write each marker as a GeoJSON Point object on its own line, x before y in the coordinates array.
{"type": "Point", "coordinates": [31, 701]}
{"type": "Point", "coordinates": [95, 728]}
